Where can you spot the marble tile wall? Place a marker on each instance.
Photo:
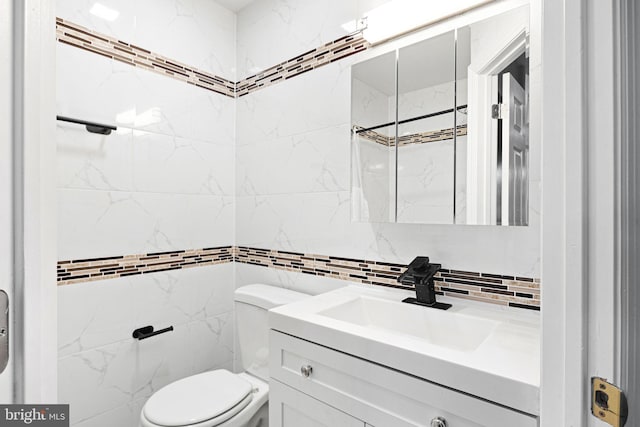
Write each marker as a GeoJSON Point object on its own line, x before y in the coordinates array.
{"type": "Point", "coordinates": [189, 168]}
{"type": "Point", "coordinates": [200, 33]}
{"type": "Point", "coordinates": [164, 181]}
{"type": "Point", "coordinates": [293, 184]}
{"type": "Point", "coordinates": [84, 38]}
{"type": "Point", "coordinates": [105, 374]}
{"type": "Point", "coordinates": [295, 26]}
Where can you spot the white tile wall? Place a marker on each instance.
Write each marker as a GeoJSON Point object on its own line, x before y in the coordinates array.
{"type": "Point", "coordinates": [315, 100]}
{"type": "Point", "coordinates": [294, 26]}
{"type": "Point", "coordinates": [95, 223]}
{"type": "Point", "coordinates": [200, 33]}
{"type": "Point", "coordinates": [99, 89]}
{"type": "Point", "coordinates": [102, 369]}
{"type": "Point", "coordinates": [164, 181]}
{"type": "Point", "coordinates": [296, 215]}
{"type": "Point", "coordinates": [310, 161]}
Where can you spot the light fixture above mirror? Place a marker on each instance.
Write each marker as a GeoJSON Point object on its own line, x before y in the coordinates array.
{"type": "Point", "coordinates": [397, 17]}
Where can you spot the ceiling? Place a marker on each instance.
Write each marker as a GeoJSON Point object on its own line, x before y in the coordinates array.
{"type": "Point", "coordinates": [234, 5]}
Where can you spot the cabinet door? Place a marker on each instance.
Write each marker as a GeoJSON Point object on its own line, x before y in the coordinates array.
{"type": "Point", "coordinates": [291, 408]}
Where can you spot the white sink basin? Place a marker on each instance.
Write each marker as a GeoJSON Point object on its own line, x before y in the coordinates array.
{"type": "Point", "coordinates": [476, 348]}
{"type": "Point", "coordinates": [445, 329]}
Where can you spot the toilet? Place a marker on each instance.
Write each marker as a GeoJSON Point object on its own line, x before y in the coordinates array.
{"type": "Point", "coordinates": [219, 397]}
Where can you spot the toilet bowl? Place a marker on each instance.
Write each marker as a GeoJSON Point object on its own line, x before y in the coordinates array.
{"type": "Point", "coordinates": [219, 397]}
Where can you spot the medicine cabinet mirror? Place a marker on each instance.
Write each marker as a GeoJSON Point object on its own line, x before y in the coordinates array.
{"type": "Point", "coordinates": [440, 128]}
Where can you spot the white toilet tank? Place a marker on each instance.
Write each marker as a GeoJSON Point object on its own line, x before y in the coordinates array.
{"type": "Point", "coordinates": [252, 325]}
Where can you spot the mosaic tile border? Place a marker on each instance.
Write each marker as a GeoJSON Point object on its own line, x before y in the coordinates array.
{"type": "Point", "coordinates": [76, 35]}
{"type": "Point", "coordinates": [315, 58]}
{"type": "Point", "coordinates": [414, 138]}
{"type": "Point", "coordinates": [87, 270]}
{"type": "Point", "coordinates": [520, 292]}
{"type": "Point", "coordinates": [93, 41]}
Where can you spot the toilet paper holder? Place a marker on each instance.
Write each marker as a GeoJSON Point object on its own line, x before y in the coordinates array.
{"type": "Point", "coordinates": [148, 332]}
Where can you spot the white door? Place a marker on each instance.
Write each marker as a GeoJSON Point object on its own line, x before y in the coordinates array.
{"type": "Point", "coordinates": [6, 182]}
{"type": "Point", "coordinates": [515, 154]}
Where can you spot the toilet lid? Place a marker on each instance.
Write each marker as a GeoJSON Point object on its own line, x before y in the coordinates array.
{"type": "Point", "coordinates": [199, 398]}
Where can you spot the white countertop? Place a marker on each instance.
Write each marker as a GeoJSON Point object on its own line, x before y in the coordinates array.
{"type": "Point", "coordinates": [504, 368]}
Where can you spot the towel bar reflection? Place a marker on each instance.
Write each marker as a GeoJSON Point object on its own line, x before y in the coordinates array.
{"type": "Point", "coordinates": [91, 126]}
{"type": "Point", "coordinates": [148, 332]}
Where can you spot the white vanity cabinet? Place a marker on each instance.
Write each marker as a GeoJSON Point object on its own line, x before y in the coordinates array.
{"type": "Point", "coordinates": [290, 408]}
{"type": "Point", "coordinates": [312, 385]}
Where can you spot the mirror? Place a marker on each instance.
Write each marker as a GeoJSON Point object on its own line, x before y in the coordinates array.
{"type": "Point", "coordinates": [493, 74]}
{"type": "Point", "coordinates": [425, 148]}
{"type": "Point", "coordinates": [373, 117]}
{"type": "Point", "coordinates": [440, 128]}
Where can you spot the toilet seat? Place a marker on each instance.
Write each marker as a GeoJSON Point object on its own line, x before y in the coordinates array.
{"type": "Point", "coordinates": [211, 397]}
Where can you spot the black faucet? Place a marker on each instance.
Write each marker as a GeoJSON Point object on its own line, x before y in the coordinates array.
{"type": "Point", "coordinates": [420, 274]}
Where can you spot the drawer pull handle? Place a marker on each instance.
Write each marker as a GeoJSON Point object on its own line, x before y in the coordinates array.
{"type": "Point", "coordinates": [438, 422]}
{"type": "Point", "coordinates": [306, 370]}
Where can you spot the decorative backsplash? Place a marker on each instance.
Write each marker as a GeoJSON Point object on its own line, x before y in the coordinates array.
{"type": "Point", "coordinates": [112, 48]}
{"type": "Point", "coordinates": [414, 138]}
{"type": "Point", "coordinates": [520, 292]}
{"type": "Point", "coordinates": [315, 58]}
{"type": "Point", "coordinates": [92, 41]}
{"type": "Point", "coordinates": [87, 270]}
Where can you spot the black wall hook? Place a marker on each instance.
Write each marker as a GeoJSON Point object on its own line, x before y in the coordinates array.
{"type": "Point", "coordinates": [147, 332]}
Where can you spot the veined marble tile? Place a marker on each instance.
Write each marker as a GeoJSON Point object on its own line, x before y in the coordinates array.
{"type": "Point", "coordinates": [172, 107]}
{"type": "Point", "coordinates": [425, 190]}
{"type": "Point", "coordinates": [95, 224]}
{"type": "Point", "coordinates": [124, 374]}
{"type": "Point", "coordinates": [116, 18]}
{"type": "Point", "coordinates": [209, 28]}
{"type": "Point", "coordinates": [94, 315]}
{"type": "Point", "coordinates": [97, 380]}
{"type": "Point", "coordinates": [123, 416]}
{"type": "Point", "coordinates": [91, 161]}
{"type": "Point", "coordinates": [303, 222]}
{"type": "Point", "coordinates": [169, 164]}
{"type": "Point", "coordinates": [211, 342]}
{"type": "Point", "coordinates": [153, 24]}
{"type": "Point", "coordinates": [94, 88]}
{"type": "Point", "coordinates": [315, 100]}
{"type": "Point", "coordinates": [294, 26]}
{"type": "Point", "coordinates": [127, 415]}
{"type": "Point", "coordinates": [309, 162]}
{"type": "Point", "coordinates": [321, 223]}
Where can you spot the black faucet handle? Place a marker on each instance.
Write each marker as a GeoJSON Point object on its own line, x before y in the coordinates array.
{"type": "Point", "coordinates": [433, 269]}
{"type": "Point", "coordinates": [420, 274]}
{"type": "Point", "coordinates": [420, 264]}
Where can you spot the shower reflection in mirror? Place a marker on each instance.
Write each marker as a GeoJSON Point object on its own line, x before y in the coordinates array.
{"type": "Point", "coordinates": [440, 128]}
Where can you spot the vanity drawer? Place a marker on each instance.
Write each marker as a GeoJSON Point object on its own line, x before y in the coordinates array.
{"type": "Point", "coordinates": [376, 394]}
{"type": "Point", "coordinates": [290, 408]}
